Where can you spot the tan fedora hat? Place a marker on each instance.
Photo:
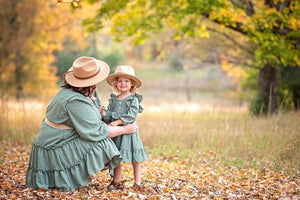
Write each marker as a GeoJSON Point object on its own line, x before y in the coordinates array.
{"type": "Point", "coordinates": [126, 71]}
{"type": "Point", "coordinates": [86, 71]}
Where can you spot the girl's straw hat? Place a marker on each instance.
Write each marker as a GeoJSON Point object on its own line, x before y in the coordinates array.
{"type": "Point", "coordinates": [87, 71]}
{"type": "Point", "coordinates": [125, 71]}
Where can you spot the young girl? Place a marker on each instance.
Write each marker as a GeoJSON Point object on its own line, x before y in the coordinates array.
{"type": "Point", "coordinates": [123, 109]}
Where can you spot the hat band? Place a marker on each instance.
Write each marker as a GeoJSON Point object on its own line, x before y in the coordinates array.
{"type": "Point", "coordinates": [83, 78]}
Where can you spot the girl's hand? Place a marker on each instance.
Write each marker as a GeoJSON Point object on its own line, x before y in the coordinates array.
{"type": "Point", "coordinates": [101, 110]}
{"type": "Point", "coordinates": [116, 123]}
{"type": "Point", "coordinates": [113, 124]}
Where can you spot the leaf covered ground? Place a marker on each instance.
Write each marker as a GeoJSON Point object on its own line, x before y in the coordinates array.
{"type": "Point", "coordinates": [165, 177]}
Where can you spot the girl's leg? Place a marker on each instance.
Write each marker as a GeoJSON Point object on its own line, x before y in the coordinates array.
{"type": "Point", "coordinates": [117, 174]}
{"type": "Point", "coordinates": [137, 171]}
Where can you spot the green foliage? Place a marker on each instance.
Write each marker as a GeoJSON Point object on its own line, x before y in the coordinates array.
{"type": "Point", "coordinates": [259, 105]}
{"type": "Point", "coordinates": [289, 88]}
{"type": "Point", "coordinates": [64, 62]}
{"type": "Point", "coordinates": [273, 27]}
{"type": "Point", "coordinates": [175, 63]}
{"type": "Point", "coordinates": [110, 53]}
{"type": "Point", "coordinates": [113, 59]}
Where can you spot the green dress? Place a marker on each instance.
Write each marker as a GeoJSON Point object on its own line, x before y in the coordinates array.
{"type": "Point", "coordinates": [130, 146]}
{"type": "Point", "coordinates": [67, 159]}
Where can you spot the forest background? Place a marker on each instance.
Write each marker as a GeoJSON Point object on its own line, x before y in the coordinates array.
{"type": "Point", "coordinates": [221, 85]}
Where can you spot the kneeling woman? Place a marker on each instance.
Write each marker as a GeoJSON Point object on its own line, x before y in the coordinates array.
{"type": "Point", "coordinates": [73, 143]}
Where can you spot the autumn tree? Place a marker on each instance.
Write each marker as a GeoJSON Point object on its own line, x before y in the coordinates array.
{"type": "Point", "coordinates": [271, 25]}
{"type": "Point", "coordinates": [30, 33]}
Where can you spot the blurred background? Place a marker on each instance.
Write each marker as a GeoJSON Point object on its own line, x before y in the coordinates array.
{"type": "Point", "coordinates": [223, 73]}
{"type": "Point", "coordinates": [239, 52]}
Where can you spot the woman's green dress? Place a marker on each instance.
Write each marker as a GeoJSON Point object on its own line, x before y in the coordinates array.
{"type": "Point", "coordinates": [67, 159]}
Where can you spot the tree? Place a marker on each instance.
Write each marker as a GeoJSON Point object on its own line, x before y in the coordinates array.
{"type": "Point", "coordinates": [30, 33]}
{"type": "Point", "coordinates": [271, 25]}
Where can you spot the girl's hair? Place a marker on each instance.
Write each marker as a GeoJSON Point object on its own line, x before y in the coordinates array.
{"type": "Point", "coordinates": [132, 89]}
{"type": "Point", "coordinates": [86, 91]}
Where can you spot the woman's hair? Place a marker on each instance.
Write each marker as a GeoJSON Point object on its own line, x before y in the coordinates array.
{"type": "Point", "coordinates": [132, 89]}
{"type": "Point", "coordinates": [86, 91]}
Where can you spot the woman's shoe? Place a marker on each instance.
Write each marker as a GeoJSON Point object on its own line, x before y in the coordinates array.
{"type": "Point", "coordinates": [115, 186]}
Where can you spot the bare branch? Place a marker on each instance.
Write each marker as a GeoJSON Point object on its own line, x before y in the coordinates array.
{"type": "Point", "coordinates": [248, 50]}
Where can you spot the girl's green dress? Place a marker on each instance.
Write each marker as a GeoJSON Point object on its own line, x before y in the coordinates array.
{"type": "Point", "coordinates": [130, 146]}
{"type": "Point", "coordinates": [66, 159]}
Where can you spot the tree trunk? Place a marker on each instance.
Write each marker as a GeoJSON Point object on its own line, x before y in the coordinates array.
{"type": "Point", "coordinates": [187, 85]}
{"type": "Point", "coordinates": [153, 51]}
{"type": "Point", "coordinates": [267, 87]}
{"type": "Point", "coordinates": [18, 75]}
{"type": "Point", "coordinates": [296, 99]}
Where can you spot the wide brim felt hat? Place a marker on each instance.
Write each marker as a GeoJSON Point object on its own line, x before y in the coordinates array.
{"type": "Point", "coordinates": [124, 71]}
{"type": "Point", "coordinates": [87, 71]}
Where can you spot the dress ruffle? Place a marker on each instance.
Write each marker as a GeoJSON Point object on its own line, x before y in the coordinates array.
{"type": "Point", "coordinates": [70, 166]}
{"type": "Point", "coordinates": [130, 147]}
{"type": "Point", "coordinates": [136, 155]}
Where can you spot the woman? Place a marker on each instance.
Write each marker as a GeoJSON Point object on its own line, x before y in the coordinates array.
{"type": "Point", "coordinates": [73, 143]}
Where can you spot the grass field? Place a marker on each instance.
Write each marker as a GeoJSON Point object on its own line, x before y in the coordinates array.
{"type": "Point", "coordinates": [196, 151]}
{"type": "Point", "coordinates": [209, 147]}
{"type": "Point", "coordinates": [188, 130]}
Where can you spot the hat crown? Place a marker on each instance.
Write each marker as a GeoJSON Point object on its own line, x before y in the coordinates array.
{"type": "Point", "coordinates": [85, 67]}
{"type": "Point", "coordinates": [125, 69]}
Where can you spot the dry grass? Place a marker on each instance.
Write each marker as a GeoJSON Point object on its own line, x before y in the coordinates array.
{"type": "Point", "coordinates": [20, 121]}
{"type": "Point", "coordinates": [234, 136]}
{"type": "Point", "coordinates": [189, 130]}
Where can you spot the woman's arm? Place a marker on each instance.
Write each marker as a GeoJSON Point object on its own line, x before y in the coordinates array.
{"type": "Point", "coordinates": [121, 130]}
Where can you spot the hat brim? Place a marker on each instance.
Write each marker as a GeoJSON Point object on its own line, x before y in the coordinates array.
{"type": "Point", "coordinates": [110, 78]}
{"type": "Point", "coordinates": [101, 75]}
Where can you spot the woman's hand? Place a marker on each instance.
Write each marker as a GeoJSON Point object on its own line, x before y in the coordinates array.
{"type": "Point", "coordinates": [121, 130]}
{"type": "Point", "coordinates": [131, 128]}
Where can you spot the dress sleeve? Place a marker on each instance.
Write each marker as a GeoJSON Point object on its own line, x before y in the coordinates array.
{"type": "Point", "coordinates": [87, 120]}
{"type": "Point", "coordinates": [108, 116]}
{"type": "Point", "coordinates": [133, 109]}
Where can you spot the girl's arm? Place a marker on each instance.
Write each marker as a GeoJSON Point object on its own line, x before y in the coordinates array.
{"type": "Point", "coordinates": [102, 111]}
{"type": "Point", "coordinates": [116, 123]}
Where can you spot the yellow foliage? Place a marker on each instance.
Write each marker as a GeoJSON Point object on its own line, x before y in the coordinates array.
{"type": "Point", "coordinates": [266, 25]}
{"type": "Point", "coordinates": [294, 24]}
{"type": "Point", "coordinates": [183, 4]}
{"type": "Point", "coordinates": [39, 35]}
{"type": "Point", "coordinates": [297, 60]}
{"type": "Point", "coordinates": [233, 71]}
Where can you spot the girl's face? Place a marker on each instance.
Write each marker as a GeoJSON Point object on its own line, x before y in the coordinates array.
{"type": "Point", "coordinates": [124, 84]}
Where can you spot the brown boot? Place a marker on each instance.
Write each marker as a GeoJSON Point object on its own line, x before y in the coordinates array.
{"type": "Point", "coordinates": [136, 188]}
{"type": "Point", "coordinates": [115, 186]}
